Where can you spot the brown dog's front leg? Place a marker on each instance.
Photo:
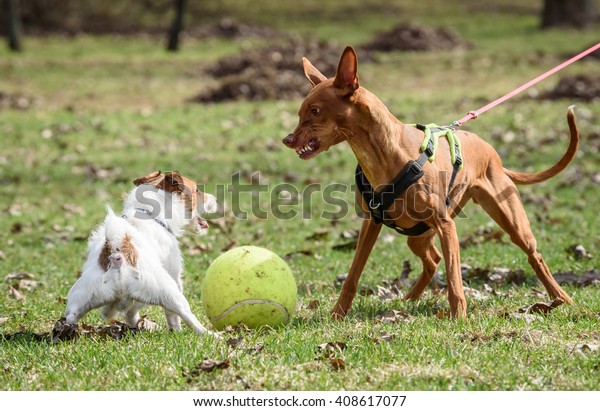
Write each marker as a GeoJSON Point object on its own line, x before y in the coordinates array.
{"type": "Point", "coordinates": [366, 240]}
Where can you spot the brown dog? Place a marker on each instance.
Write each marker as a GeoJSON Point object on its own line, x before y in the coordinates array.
{"type": "Point", "coordinates": [338, 109]}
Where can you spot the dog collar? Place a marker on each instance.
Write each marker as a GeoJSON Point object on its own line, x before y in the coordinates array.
{"type": "Point", "coordinates": [157, 219]}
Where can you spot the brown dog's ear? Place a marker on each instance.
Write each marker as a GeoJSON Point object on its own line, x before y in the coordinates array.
{"type": "Point", "coordinates": [173, 182]}
{"type": "Point", "coordinates": [149, 179]}
{"type": "Point", "coordinates": [312, 74]}
{"type": "Point", "coordinates": [346, 78]}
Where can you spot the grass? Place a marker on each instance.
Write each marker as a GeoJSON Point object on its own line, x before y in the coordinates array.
{"type": "Point", "coordinates": [108, 109]}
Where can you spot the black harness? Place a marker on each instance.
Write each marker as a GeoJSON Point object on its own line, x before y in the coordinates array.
{"type": "Point", "coordinates": [379, 201]}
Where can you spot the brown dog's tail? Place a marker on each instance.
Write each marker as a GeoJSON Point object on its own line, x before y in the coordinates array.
{"type": "Point", "coordinates": [523, 178]}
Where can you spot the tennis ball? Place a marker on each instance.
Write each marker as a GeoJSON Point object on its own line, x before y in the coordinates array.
{"type": "Point", "coordinates": [249, 285]}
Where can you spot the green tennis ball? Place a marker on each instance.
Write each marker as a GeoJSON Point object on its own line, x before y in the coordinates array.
{"type": "Point", "coordinates": [249, 285]}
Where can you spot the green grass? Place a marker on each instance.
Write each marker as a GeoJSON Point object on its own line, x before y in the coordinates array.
{"type": "Point", "coordinates": [117, 104]}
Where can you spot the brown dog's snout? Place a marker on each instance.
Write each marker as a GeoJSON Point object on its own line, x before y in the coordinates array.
{"type": "Point", "coordinates": [290, 140]}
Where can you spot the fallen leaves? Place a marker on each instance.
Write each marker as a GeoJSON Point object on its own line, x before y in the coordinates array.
{"type": "Point", "coordinates": [331, 353]}
{"type": "Point", "coordinates": [496, 275]}
{"type": "Point", "coordinates": [14, 293]}
{"type": "Point", "coordinates": [206, 365]}
{"type": "Point", "coordinates": [528, 313]}
{"type": "Point", "coordinates": [541, 307]}
{"type": "Point", "coordinates": [20, 283]}
{"type": "Point", "coordinates": [239, 345]}
{"type": "Point", "coordinates": [393, 317]}
{"type": "Point", "coordinates": [482, 235]}
{"type": "Point", "coordinates": [585, 348]}
{"type": "Point", "coordinates": [383, 337]}
{"type": "Point", "coordinates": [62, 331]}
{"type": "Point", "coordinates": [585, 279]}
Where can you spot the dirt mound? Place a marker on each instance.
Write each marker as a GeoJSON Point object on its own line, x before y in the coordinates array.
{"type": "Point", "coordinates": [581, 87]}
{"type": "Point", "coordinates": [411, 37]}
{"type": "Point", "coordinates": [229, 28]}
{"type": "Point", "coordinates": [273, 72]}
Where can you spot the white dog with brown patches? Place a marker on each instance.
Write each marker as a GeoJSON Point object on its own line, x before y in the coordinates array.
{"type": "Point", "coordinates": [134, 258]}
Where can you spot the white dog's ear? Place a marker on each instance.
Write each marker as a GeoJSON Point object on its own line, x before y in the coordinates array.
{"type": "Point", "coordinates": [151, 178]}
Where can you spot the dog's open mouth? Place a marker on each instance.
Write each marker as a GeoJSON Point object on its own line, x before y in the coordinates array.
{"type": "Point", "coordinates": [202, 225]}
{"type": "Point", "coordinates": [309, 150]}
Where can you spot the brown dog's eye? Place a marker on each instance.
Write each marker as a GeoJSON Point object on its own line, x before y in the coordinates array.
{"type": "Point", "coordinates": [314, 111]}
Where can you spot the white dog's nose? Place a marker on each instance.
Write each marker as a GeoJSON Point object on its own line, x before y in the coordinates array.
{"type": "Point", "coordinates": [208, 204]}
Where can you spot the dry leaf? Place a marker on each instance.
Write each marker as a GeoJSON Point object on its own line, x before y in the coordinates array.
{"type": "Point", "coordinates": [209, 365]}
{"type": "Point", "coordinates": [541, 307]}
{"type": "Point", "coordinates": [330, 349]}
{"type": "Point", "coordinates": [233, 342]}
{"type": "Point", "coordinates": [318, 235]}
{"type": "Point", "coordinates": [365, 292]}
{"type": "Point", "coordinates": [348, 234]}
{"type": "Point", "coordinates": [348, 246]}
{"type": "Point", "coordinates": [27, 285]}
{"type": "Point", "coordinates": [229, 246]}
{"type": "Point", "coordinates": [199, 248]}
{"type": "Point", "coordinates": [482, 235]}
{"type": "Point", "coordinates": [312, 305]}
{"type": "Point", "coordinates": [63, 331]}
{"type": "Point", "coordinates": [116, 330]}
{"type": "Point", "coordinates": [440, 315]}
{"type": "Point", "coordinates": [474, 294]}
{"type": "Point", "coordinates": [14, 293]}
{"type": "Point", "coordinates": [73, 209]}
{"type": "Point", "coordinates": [306, 253]}
{"type": "Point", "coordinates": [337, 363]}
{"type": "Point", "coordinates": [475, 338]}
{"type": "Point", "coordinates": [3, 320]}
{"type": "Point", "coordinates": [18, 276]}
{"type": "Point", "coordinates": [586, 348]}
{"type": "Point", "coordinates": [393, 317]}
{"type": "Point", "coordinates": [384, 337]}
{"type": "Point", "coordinates": [146, 324]}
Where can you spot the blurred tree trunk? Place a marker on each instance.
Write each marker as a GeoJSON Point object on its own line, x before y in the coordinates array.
{"type": "Point", "coordinates": [13, 24]}
{"type": "Point", "coordinates": [177, 26]}
{"type": "Point", "coordinates": [572, 13]}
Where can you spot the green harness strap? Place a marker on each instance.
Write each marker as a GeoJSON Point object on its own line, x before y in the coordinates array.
{"type": "Point", "coordinates": [434, 132]}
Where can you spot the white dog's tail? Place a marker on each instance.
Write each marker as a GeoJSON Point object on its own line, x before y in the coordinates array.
{"type": "Point", "coordinates": [114, 228]}
{"type": "Point", "coordinates": [119, 240]}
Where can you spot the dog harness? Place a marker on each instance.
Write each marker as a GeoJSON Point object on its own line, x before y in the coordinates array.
{"type": "Point", "coordinates": [157, 219]}
{"type": "Point", "coordinates": [379, 201]}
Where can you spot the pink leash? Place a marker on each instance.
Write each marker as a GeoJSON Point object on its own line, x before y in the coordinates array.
{"type": "Point", "coordinates": [474, 114]}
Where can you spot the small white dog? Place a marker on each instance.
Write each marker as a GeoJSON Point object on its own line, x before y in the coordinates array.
{"type": "Point", "coordinates": [134, 259]}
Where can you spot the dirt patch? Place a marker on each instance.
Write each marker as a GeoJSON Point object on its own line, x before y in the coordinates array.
{"type": "Point", "coordinates": [273, 72]}
{"type": "Point", "coordinates": [581, 87]}
{"type": "Point", "coordinates": [411, 37]}
{"type": "Point", "coordinates": [229, 28]}
{"type": "Point", "coordinates": [16, 101]}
